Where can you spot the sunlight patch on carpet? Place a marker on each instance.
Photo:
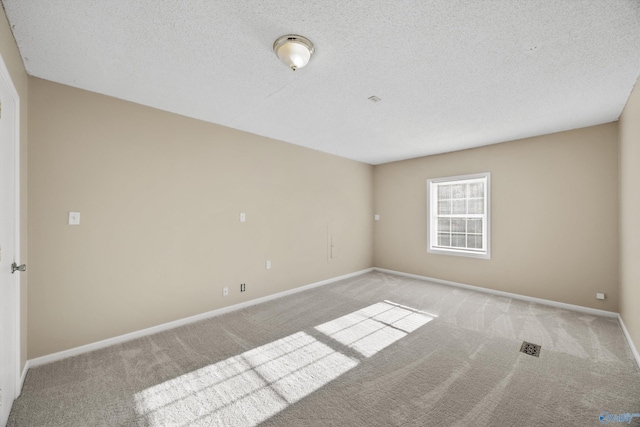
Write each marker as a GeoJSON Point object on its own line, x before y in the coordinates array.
{"type": "Point", "coordinates": [253, 386]}
{"type": "Point", "coordinates": [245, 389]}
{"type": "Point", "coordinates": [375, 327]}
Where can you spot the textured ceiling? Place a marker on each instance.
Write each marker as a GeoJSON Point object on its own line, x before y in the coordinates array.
{"type": "Point", "coordinates": [451, 74]}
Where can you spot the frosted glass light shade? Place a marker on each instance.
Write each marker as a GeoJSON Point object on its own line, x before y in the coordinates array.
{"type": "Point", "coordinates": [295, 51]}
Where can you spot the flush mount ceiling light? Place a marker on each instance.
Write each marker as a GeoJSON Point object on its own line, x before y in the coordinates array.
{"type": "Point", "coordinates": [295, 51]}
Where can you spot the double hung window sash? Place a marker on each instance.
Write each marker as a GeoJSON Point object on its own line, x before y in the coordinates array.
{"type": "Point", "coordinates": [459, 215]}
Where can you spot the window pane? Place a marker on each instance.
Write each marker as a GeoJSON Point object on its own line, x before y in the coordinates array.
{"type": "Point", "coordinates": [458, 240]}
{"type": "Point", "coordinates": [459, 206]}
{"type": "Point", "coordinates": [459, 191]}
{"type": "Point", "coordinates": [476, 189]}
{"type": "Point", "coordinates": [444, 191]}
{"type": "Point", "coordinates": [474, 226]}
{"type": "Point", "coordinates": [458, 225]}
{"type": "Point", "coordinates": [444, 207]}
{"type": "Point", "coordinates": [444, 239]}
{"type": "Point", "coordinates": [474, 241]}
{"type": "Point", "coordinates": [476, 206]}
{"type": "Point", "coordinates": [444, 224]}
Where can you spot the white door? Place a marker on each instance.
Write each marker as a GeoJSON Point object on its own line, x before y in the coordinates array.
{"type": "Point", "coordinates": [9, 243]}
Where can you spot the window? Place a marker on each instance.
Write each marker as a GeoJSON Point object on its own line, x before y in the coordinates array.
{"type": "Point", "coordinates": [459, 215]}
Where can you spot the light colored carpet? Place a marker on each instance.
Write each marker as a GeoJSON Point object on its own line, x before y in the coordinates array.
{"type": "Point", "coordinates": [374, 350]}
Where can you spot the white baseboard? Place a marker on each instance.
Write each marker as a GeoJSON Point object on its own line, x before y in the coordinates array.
{"type": "Point", "coordinates": [633, 348]}
{"type": "Point", "coordinates": [27, 365]}
{"type": "Point", "coordinates": [54, 357]}
{"type": "Point", "coordinates": [170, 325]}
{"type": "Point", "coordinates": [566, 306]}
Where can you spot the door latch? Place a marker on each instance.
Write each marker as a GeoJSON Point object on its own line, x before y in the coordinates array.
{"type": "Point", "coordinates": [15, 267]}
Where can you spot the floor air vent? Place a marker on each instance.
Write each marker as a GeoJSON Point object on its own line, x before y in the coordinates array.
{"type": "Point", "coordinates": [530, 349]}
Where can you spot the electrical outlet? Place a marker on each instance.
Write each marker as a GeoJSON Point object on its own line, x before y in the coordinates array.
{"type": "Point", "coordinates": [600, 295]}
{"type": "Point", "coordinates": [225, 291]}
{"type": "Point", "coordinates": [243, 287]}
{"type": "Point", "coordinates": [268, 264]}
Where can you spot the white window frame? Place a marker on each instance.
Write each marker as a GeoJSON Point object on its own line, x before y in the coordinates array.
{"type": "Point", "coordinates": [432, 219]}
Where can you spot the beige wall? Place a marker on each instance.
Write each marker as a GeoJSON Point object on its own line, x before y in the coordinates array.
{"type": "Point", "coordinates": [629, 216]}
{"type": "Point", "coordinates": [13, 61]}
{"type": "Point", "coordinates": [554, 217]}
{"type": "Point", "coordinates": [160, 196]}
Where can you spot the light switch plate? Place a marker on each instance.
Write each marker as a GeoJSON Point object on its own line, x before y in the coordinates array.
{"type": "Point", "coordinates": [74, 218]}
